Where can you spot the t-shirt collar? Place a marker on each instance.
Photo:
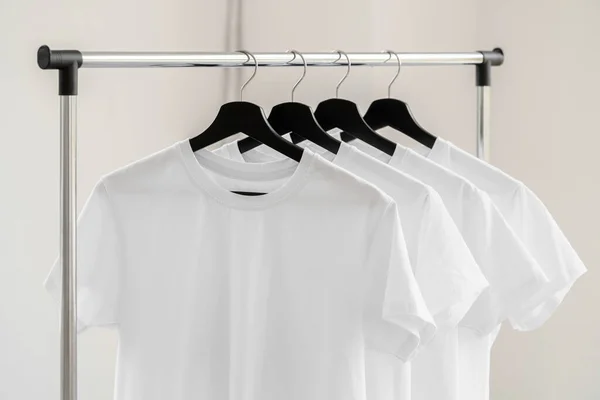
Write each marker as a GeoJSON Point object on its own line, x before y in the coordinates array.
{"type": "Point", "coordinates": [344, 155]}
{"type": "Point", "coordinates": [399, 157]}
{"type": "Point", "coordinates": [438, 153]}
{"type": "Point", "coordinates": [201, 162]}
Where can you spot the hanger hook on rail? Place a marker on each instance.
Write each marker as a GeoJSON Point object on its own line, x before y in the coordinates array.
{"type": "Point", "coordinates": [340, 53]}
{"type": "Point", "coordinates": [294, 52]}
{"type": "Point", "coordinates": [389, 90]}
{"type": "Point", "coordinates": [249, 55]}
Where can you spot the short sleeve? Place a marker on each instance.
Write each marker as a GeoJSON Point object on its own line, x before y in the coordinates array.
{"type": "Point", "coordinates": [98, 263]}
{"type": "Point", "coordinates": [446, 272]}
{"type": "Point", "coordinates": [396, 320]}
{"type": "Point", "coordinates": [514, 275]}
{"type": "Point", "coordinates": [546, 242]}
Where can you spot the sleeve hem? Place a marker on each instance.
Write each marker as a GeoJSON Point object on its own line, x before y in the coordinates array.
{"type": "Point", "coordinates": [510, 301]}
{"type": "Point", "coordinates": [522, 295]}
{"type": "Point", "coordinates": [404, 336]}
{"type": "Point", "coordinates": [450, 317]}
{"type": "Point", "coordinates": [415, 341]}
{"type": "Point", "coordinates": [53, 288]}
{"type": "Point", "coordinates": [535, 315]}
{"type": "Point", "coordinates": [407, 350]}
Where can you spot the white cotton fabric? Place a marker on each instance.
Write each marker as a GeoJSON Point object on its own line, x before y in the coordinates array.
{"type": "Point", "coordinates": [515, 277]}
{"type": "Point", "coordinates": [216, 295]}
{"type": "Point", "coordinates": [536, 228]}
{"type": "Point", "coordinates": [439, 257]}
{"type": "Point", "coordinates": [530, 220]}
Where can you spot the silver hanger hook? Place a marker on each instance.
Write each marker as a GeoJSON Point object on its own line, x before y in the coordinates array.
{"type": "Point", "coordinates": [249, 55]}
{"type": "Point", "coordinates": [397, 72]}
{"type": "Point", "coordinates": [337, 88]}
{"type": "Point", "coordinates": [294, 52]}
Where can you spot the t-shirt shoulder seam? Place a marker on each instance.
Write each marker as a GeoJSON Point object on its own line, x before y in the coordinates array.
{"type": "Point", "coordinates": [428, 195]}
{"type": "Point", "coordinates": [109, 198]}
{"type": "Point", "coordinates": [390, 203]}
{"type": "Point", "coordinates": [427, 208]}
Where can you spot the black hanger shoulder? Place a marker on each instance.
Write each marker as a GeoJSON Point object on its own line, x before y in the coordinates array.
{"type": "Point", "coordinates": [299, 120]}
{"type": "Point", "coordinates": [344, 114]}
{"type": "Point", "coordinates": [397, 115]}
{"type": "Point", "coordinates": [247, 118]}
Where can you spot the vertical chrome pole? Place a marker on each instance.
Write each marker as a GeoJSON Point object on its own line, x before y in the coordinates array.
{"type": "Point", "coordinates": [68, 245]}
{"type": "Point", "coordinates": [67, 62]}
{"type": "Point", "coordinates": [483, 122]}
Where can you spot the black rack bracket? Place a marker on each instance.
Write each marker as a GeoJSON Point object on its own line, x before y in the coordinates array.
{"type": "Point", "coordinates": [67, 62]}
{"type": "Point", "coordinates": [483, 71]}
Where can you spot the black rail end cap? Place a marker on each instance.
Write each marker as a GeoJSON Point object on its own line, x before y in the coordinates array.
{"type": "Point", "coordinates": [58, 59]}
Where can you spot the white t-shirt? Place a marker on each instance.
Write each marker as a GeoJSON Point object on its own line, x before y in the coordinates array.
{"type": "Point", "coordinates": [449, 278]}
{"type": "Point", "coordinates": [531, 221]}
{"type": "Point", "coordinates": [541, 235]}
{"type": "Point", "coordinates": [217, 295]}
{"type": "Point", "coordinates": [515, 277]}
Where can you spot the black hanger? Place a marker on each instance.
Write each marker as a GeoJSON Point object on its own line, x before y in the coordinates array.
{"type": "Point", "coordinates": [297, 119]}
{"type": "Point", "coordinates": [344, 115]}
{"type": "Point", "coordinates": [248, 118]}
{"type": "Point", "coordinates": [397, 115]}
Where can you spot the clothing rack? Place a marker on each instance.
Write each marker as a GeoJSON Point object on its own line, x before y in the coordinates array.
{"type": "Point", "coordinates": [68, 62]}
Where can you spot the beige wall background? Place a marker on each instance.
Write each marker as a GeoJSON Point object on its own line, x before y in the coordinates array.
{"type": "Point", "coordinates": [544, 115]}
